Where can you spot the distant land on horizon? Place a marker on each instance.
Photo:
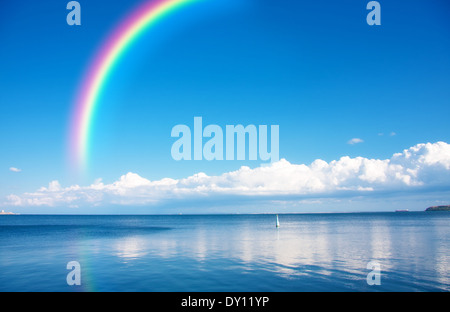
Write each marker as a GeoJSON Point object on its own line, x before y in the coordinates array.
{"type": "Point", "coordinates": [432, 208]}
{"type": "Point", "coordinates": [438, 208]}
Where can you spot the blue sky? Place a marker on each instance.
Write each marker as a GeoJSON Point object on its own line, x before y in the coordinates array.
{"type": "Point", "coordinates": [315, 68]}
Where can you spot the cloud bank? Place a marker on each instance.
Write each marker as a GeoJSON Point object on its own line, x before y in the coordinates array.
{"type": "Point", "coordinates": [14, 169]}
{"type": "Point", "coordinates": [423, 167]}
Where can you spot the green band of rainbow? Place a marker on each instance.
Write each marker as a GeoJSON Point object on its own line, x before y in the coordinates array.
{"type": "Point", "coordinates": [110, 53]}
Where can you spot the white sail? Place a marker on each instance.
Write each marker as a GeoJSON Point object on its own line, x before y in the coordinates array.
{"type": "Point", "coordinates": [278, 222]}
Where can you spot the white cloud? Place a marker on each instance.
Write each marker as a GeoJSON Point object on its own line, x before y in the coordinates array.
{"type": "Point", "coordinates": [355, 141]}
{"type": "Point", "coordinates": [419, 168]}
{"type": "Point", "coordinates": [14, 169]}
{"type": "Point", "coordinates": [390, 134]}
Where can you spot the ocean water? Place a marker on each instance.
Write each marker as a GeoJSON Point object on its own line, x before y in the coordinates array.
{"type": "Point", "coordinates": [309, 252]}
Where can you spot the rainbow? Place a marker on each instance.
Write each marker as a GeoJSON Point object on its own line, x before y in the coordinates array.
{"type": "Point", "coordinates": [93, 84]}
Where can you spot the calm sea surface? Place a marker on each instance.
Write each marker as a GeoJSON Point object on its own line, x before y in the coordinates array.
{"type": "Point", "coordinates": [309, 252]}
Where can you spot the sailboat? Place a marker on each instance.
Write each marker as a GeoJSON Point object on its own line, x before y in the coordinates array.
{"type": "Point", "coordinates": [278, 223]}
